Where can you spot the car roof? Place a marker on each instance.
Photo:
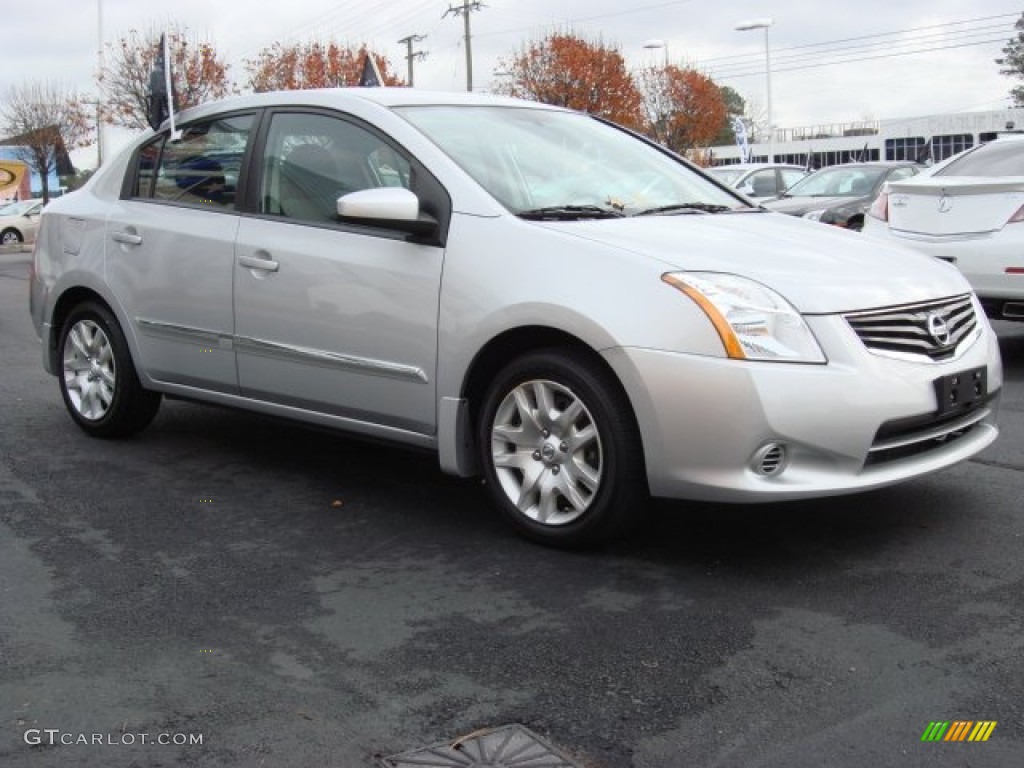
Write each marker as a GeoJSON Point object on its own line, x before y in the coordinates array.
{"type": "Point", "coordinates": [340, 97]}
{"type": "Point", "coordinates": [874, 164]}
{"type": "Point", "coordinates": [754, 166]}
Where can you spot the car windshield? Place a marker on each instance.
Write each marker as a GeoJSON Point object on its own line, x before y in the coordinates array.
{"type": "Point", "coordinates": [726, 175]}
{"type": "Point", "coordinates": [838, 182]}
{"type": "Point", "coordinates": [997, 158]}
{"type": "Point", "coordinates": [566, 164]}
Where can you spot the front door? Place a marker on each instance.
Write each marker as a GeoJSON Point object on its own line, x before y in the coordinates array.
{"type": "Point", "coordinates": [329, 317]}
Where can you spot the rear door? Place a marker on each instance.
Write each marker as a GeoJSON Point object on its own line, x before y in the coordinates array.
{"type": "Point", "coordinates": [170, 252]}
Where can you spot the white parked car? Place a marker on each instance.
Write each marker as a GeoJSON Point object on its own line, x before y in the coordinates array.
{"type": "Point", "coordinates": [537, 296]}
{"type": "Point", "coordinates": [758, 181]}
{"type": "Point", "coordinates": [19, 222]}
{"type": "Point", "coordinates": [969, 212]}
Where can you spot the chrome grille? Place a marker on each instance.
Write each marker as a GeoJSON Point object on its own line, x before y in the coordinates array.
{"type": "Point", "coordinates": [917, 329]}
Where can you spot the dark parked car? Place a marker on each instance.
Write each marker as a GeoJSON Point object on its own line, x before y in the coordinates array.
{"type": "Point", "coordinates": [841, 194]}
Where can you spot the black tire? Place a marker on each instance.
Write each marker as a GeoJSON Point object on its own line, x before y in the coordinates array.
{"type": "Point", "coordinates": [540, 470]}
{"type": "Point", "coordinates": [11, 237]}
{"type": "Point", "coordinates": [97, 376]}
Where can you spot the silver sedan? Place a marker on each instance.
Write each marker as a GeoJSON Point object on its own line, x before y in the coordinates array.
{"type": "Point", "coordinates": [537, 296]}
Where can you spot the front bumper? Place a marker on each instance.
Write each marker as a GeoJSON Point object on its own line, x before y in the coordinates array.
{"type": "Point", "coordinates": [703, 420]}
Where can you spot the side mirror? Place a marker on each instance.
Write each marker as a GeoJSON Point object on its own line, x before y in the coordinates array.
{"type": "Point", "coordinates": [391, 207]}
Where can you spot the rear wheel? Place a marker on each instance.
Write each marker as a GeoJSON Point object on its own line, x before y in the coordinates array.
{"type": "Point", "coordinates": [98, 380]}
{"type": "Point", "coordinates": [560, 449]}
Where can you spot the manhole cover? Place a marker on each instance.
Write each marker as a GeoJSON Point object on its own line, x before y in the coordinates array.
{"type": "Point", "coordinates": [508, 746]}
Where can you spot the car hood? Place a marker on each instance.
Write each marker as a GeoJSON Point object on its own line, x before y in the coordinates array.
{"type": "Point", "coordinates": [820, 270]}
{"type": "Point", "coordinates": [798, 206]}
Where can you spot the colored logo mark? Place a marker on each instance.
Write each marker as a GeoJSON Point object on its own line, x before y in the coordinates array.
{"type": "Point", "coordinates": [959, 730]}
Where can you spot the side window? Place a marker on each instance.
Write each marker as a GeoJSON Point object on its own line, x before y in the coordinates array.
{"type": "Point", "coordinates": [311, 160]}
{"type": "Point", "coordinates": [902, 173]}
{"type": "Point", "coordinates": [763, 183]}
{"type": "Point", "coordinates": [201, 168]}
{"type": "Point", "coordinates": [789, 178]}
{"type": "Point", "coordinates": [149, 156]}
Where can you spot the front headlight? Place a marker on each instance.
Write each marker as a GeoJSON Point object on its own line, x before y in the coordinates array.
{"type": "Point", "coordinates": [814, 215]}
{"type": "Point", "coordinates": [753, 321]}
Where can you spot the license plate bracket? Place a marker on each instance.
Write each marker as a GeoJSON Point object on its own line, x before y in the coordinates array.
{"type": "Point", "coordinates": [957, 391]}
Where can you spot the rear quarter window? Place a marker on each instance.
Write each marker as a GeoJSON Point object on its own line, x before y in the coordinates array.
{"type": "Point", "coordinates": [997, 158]}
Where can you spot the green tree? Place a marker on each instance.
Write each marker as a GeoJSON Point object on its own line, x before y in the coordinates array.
{"type": "Point", "coordinates": [734, 105]}
{"type": "Point", "coordinates": [1012, 62]}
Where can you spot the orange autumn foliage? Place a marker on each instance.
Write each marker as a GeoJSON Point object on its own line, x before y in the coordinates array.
{"type": "Point", "coordinates": [312, 65]}
{"type": "Point", "coordinates": [567, 71]}
{"type": "Point", "coordinates": [685, 109]}
{"type": "Point", "coordinates": [199, 73]}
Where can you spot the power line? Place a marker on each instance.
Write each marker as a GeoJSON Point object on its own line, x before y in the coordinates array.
{"type": "Point", "coordinates": [587, 18]}
{"type": "Point", "coordinates": [871, 36]}
{"type": "Point", "coordinates": [863, 58]}
{"type": "Point", "coordinates": [780, 63]}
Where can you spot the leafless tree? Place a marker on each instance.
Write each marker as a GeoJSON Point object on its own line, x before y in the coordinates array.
{"type": "Point", "coordinates": [44, 120]}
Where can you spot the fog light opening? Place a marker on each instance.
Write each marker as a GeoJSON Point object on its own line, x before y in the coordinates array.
{"type": "Point", "coordinates": [770, 459]}
{"type": "Point", "coordinates": [1013, 310]}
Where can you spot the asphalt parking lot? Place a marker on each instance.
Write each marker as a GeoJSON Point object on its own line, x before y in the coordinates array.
{"type": "Point", "coordinates": [257, 594]}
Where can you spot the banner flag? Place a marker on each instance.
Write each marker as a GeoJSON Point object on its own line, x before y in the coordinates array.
{"type": "Point", "coordinates": [161, 96]}
{"type": "Point", "coordinates": [371, 77]}
{"type": "Point", "coordinates": [739, 128]}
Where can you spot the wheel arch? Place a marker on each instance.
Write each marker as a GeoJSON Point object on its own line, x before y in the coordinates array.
{"type": "Point", "coordinates": [65, 303]}
{"type": "Point", "coordinates": [458, 421]}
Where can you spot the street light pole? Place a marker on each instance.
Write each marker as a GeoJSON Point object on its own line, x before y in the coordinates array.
{"type": "Point", "coordinates": [743, 26]}
{"type": "Point", "coordinates": [99, 96]}
{"type": "Point", "coordinates": [655, 44]}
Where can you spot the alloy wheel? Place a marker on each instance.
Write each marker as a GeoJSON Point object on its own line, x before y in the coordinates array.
{"type": "Point", "coordinates": [89, 370]}
{"type": "Point", "coordinates": [547, 452]}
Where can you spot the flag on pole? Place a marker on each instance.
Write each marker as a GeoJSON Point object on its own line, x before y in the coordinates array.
{"type": "Point", "coordinates": [371, 77]}
{"type": "Point", "coordinates": [161, 97]}
{"type": "Point", "coordinates": [924, 154]}
{"type": "Point", "coordinates": [739, 129]}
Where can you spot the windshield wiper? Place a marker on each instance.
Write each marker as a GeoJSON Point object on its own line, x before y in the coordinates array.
{"type": "Point", "coordinates": [684, 208]}
{"type": "Point", "coordinates": [569, 213]}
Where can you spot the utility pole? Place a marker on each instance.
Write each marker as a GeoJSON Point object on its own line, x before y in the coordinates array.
{"type": "Point", "coordinates": [410, 55]}
{"type": "Point", "coordinates": [464, 11]}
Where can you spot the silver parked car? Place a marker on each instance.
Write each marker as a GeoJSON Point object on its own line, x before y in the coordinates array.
{"type": "Point", "coordinates": [759, 181]}
{"type": "Point", "coordinates": [539, 297]}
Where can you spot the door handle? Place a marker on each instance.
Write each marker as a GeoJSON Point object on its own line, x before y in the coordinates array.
{"type": "Point", "coordinates": [127, 238]}
{"type": "Point", "coordinates": [255, 262]}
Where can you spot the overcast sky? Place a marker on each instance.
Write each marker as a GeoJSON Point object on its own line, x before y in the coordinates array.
{"type": "Point", "coordinates": [59, 40]}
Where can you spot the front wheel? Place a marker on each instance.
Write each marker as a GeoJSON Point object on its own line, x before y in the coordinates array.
{"type": "Point", "coordinates": [560, 449]}
{"type": "Point", "coordinates": [98, 380]}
